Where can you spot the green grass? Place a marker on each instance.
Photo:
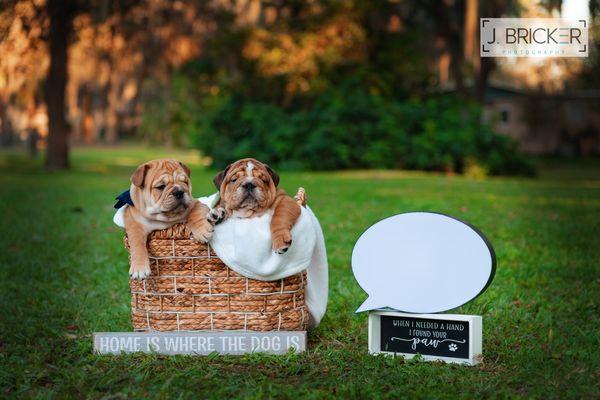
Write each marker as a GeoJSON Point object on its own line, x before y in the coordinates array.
{"type": "Point", "coordinates": [63, 275]}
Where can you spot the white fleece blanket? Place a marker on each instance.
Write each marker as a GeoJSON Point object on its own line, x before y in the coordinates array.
{"type": "Point", "coordinates": [244, 245]}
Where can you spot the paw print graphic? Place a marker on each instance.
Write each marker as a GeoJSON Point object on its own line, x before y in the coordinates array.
{"type": "Point", "coordinates": [452, 347]}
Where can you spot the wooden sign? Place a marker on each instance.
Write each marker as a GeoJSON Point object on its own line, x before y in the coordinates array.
{"type": "Point", "coordinates": [447, 337]}
{"type": "Point", "coordinates": [200, 343]}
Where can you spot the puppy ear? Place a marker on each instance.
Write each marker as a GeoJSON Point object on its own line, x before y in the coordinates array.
{"type": "Point", "coordinates": [220, 177]}
{"type": "Point", "coordinates": [139, 175]}
{"type": "Point", "coordinates": [187, 170]}
{"type": "Point", "coordinates": [273, 174]}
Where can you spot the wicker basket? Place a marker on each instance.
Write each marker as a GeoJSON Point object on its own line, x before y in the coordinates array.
{"type": "Point", "coordinates": [190, 288]}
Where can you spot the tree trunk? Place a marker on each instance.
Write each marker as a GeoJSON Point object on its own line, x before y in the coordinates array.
{"type": "Point", "coordinates": [57, 153]}
{"type": "Point", "coordinates": [6, 133]}
{"type": "Point", "coordinates": [486, 67]}
{"type": "Point", "coordinates": [471, 27]}
{"type": "Point", "coordinates": [448, 30]}
{"type": "Point", "coordinates": [492, 9]}
{"type": "Point", "coordinates": [456, 67]}
{"type": "Point", "coordinates": [112, 108]}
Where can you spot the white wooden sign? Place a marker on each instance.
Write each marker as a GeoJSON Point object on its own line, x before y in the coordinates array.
{"type": "Point", "coordinates": [200, 343]}
{"type": "Point", "coordinates": [448, 337]}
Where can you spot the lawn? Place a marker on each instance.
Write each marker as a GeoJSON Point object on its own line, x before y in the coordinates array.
{"type": "Point", "coordinates": [63, 275]}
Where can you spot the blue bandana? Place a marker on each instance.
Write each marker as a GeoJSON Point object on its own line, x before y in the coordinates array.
{"type": "Point", "coordinates": [123, 199]}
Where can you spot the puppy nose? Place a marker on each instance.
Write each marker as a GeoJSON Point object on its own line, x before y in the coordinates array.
{"type": "Point", "coordinates": [248, 186]}
{"type": "Point", "coordinates": [178, 193]}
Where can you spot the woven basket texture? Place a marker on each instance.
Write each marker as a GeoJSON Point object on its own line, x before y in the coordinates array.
{"type": "Point", "coordinates": [191, 289]}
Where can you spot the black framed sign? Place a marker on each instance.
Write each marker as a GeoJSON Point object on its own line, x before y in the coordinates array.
{"type": "Point", "coordinates": [447, 337]}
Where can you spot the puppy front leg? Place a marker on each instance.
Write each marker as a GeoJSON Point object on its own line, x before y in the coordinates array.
{"type": "Point", "coordinates": [137, 237]}
{"type": "Point", "coordinates": [200, 222]}
{"type": "Point", "coordinates": [285, 215]}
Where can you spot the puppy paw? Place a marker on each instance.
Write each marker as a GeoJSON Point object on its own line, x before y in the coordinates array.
{"type": "Point", "coordinates": [202, 231]}
{"type": "Point", "coordinates": [282, 242]}
{"type": "Point", "coordinates": [216, 215]}
{"type": "Point", "coordinates": [139, 271]}
{"type": "Point", "coordinates": [300, 197]}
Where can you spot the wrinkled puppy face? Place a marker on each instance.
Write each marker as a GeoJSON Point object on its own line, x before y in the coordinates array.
{"type": "Point", "coordinates": [161, 189]}
{"type": "Point", "coordinates": [247, 186]}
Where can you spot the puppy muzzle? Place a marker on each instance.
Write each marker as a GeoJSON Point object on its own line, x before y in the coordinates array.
{"type": "Point", "coordinates": [178, 199]}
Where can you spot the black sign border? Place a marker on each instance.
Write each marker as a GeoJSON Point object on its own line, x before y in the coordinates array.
{"type": "Point", "coordinates": [480, 233]}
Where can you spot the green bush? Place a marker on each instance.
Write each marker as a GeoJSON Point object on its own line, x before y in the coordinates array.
{"type": "Point", "coordinates": [350, 128]}
{"type": "Point", "coordinates": [326, 87]}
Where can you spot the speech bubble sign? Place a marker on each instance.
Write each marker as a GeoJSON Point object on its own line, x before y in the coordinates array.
{"type": "Point", "coordinates": [422, 262]}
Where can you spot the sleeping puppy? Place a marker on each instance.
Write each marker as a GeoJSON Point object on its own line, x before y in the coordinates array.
{"type": "Point", "coordinates": [248, 188]}
{"type": "Point", "coordinates": [161, 195]}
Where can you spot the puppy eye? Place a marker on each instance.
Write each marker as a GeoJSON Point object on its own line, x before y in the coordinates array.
{"type": "Point", "coordinates": [160, 187]}
{"type": "Point", "coordinates": [265, 179]}
{"type": "Point", "coordinates": [233, 179]}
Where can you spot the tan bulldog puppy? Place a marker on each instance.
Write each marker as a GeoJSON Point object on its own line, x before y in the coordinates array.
{"type": "Point", "coordinates": [161, 192]}
{"type": "Point", "coordinates": [248, 188]}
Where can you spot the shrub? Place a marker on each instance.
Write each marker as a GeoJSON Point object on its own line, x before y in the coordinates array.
{"type": "Point", "coordinates": [353, 128]}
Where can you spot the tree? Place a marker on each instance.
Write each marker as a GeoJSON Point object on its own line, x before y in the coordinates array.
{"type": "Point", "coordinates": [61, 25]}
{"type": "Point", "coordinates": [23, 60]}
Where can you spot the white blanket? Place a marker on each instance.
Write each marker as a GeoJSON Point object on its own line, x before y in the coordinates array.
{"type": "Point", "coordinates": [244, 245]}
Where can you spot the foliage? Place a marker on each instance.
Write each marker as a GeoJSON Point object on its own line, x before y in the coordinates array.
{"type": "Point", "coordinates": [64, 276]}
{"type": "Point", "coordinates": [323, 88]}
{"type": "Point", "coordinates": [170, 114]}
{"type": "Point", "coordinates": [350, 128]}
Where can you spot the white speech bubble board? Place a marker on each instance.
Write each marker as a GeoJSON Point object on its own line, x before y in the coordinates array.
{"type": "Point", "coordinates": [421, 262]}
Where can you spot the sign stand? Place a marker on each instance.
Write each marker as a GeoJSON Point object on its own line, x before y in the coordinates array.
{"type": "Point", "coordinates": [447, 337]}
